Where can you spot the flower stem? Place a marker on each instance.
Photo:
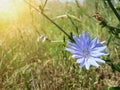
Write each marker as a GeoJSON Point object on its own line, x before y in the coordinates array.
{"type": "Point", "coordinates": [57, 26]}
{"type": "Point", "coordinates": [114, 10]}
{"type": "Point", "coordinates": [41, 11]}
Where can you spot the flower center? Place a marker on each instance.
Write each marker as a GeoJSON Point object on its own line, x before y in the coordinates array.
{"type": "Point", "coordinates": [86, 53]}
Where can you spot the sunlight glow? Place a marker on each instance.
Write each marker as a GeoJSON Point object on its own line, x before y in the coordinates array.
{"type": "Point", "coordinates": [5, 5]}
{"type": "Point", "coordinates": [10, 9]}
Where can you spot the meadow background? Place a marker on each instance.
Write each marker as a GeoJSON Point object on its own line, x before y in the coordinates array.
{"type": "Point", "coordinates": [32, 49]}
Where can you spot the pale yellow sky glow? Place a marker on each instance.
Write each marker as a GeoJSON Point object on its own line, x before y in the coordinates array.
{"type": "Point", "coordinates": [11, 9]}
{"type": "Point", "coordinates": [5, 5]}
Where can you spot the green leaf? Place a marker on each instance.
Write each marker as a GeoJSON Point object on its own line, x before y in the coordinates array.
{"type": "Point", "coordinates": [113, 88]}
{"type": "Point", "coordinates": [116, 67]}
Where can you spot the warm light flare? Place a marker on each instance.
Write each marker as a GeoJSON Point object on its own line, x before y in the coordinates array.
{"type": "Point", "coordinates": [5, 5]}
{"type": "Point", "coordinates": [10, 10]}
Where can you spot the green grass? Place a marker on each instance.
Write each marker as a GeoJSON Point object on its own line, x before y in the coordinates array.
{"type": "Point", "coordinates": [26, 64]}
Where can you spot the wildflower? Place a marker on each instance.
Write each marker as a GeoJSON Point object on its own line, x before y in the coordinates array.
{"type": "Point", "coordinates": [87, 51]}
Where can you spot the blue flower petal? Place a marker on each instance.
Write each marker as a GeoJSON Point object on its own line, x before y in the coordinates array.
{"type": "Point", "coordinates": [93, 62]}
{"type": "Point", "coordinates": [73, 46]}
{"type": "Point", "coordinates": [93, 43]}
{"type": "Point", "coordinates": [82, 40]}
{"type": "Point", "coordinates": [77, 56]}
{"type": "Point", "coordinates": [77, 41]}
{"type": "Point", "coordinates": [71, 50]}
{"type": "Point", "coordinates": [99, 60]}
{"type": "Point", "coordinates": [75, 52]}
{"type": "Point", "coordinates": [100, 44]}
{"type": "Point", "coordinates": [83, 36]}
{"type": "Point", "coordinates": [98, 49]}
{"type": "Point", "coordinates": [80, 60]}
{"type": "Point", "coordinates": [82, 63]}
{"type": "Point", "coordinates": [98, 54]}
{"type": "Point", "coordinates": [88, 39]}
{"type": "Point", "coordinates": [87, 65]}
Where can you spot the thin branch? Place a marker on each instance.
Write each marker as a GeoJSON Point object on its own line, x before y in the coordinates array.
{"type": "Point", "coordinates": [41, 11]}
{"type": "Point", "coordinates": [77, 3]}
{"type": "Point", "coordinates": [45, 3]}
{"type": "Point", "coordinates": [114, 10]}
{"type": "Point", "coordinates": [73, 24]}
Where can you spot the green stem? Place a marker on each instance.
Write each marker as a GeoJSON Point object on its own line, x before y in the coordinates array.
{"type": "Point", "coordinates": [114, 10]}
{"type": "Point", "coordinates": [41, 11]}
{"type": "Point", "coordinates": [57, 26]}
{"type": "Point", "coordinates": [74, 25]}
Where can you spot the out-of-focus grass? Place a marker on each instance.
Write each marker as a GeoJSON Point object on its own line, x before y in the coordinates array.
{"type": "Point", "coordinates": [29, 63]}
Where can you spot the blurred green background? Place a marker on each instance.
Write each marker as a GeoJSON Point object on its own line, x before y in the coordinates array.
{"type": "Point", "coordinates": [32, 49]}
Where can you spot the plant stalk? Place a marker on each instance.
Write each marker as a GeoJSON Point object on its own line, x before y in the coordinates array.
{"type": "Point", "coordinates": [41, 11]}
{"type": "Point", "coordinates": [113, 9]}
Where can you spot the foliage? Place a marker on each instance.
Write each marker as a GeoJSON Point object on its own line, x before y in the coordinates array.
{"type": "Point", "coordinates": [33, 55]}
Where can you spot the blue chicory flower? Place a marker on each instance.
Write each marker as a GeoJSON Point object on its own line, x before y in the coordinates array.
{"type": "Point", "coordinates": [87, 51]}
